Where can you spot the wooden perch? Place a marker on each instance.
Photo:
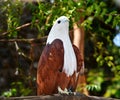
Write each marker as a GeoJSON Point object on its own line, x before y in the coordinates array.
{"type": "Point", "coordinates": [78, 96]}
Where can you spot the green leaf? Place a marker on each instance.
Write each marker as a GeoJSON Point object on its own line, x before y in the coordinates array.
{"type": "Point", "coordinates": [108, 19]}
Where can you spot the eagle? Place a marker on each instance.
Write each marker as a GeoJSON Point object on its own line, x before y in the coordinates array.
{"type": "Point", "coordinates": [60, 62]}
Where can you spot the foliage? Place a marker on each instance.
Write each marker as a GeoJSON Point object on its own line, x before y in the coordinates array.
{"type": "Point", "coordinates": [17, 88]}
{"type": "Point", "coordinates": [12, 11]}
{"type": "Point", "coordinates": [102, 57]}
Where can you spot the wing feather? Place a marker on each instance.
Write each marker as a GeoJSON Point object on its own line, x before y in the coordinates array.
{"type": "Point", "coordinates": [78, 57]}
{"type": "Point", "coordinates": [50, 63]}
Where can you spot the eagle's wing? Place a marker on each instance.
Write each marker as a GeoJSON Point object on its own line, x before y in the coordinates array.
{"type": "Point", "coordinates": [78, 58]}
{"type": "Point", "coordinates": [50, 63]}
{"type": "Point", "coordinates": [75, 77]}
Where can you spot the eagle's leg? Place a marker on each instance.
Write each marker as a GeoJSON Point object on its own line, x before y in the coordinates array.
{"type": "Point", "coordinates": [65, 91]}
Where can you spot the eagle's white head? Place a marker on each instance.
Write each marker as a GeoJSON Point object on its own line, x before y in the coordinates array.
{"type": "Point", "coordinates": [60, 30]}
{"type": "Point", "coordinates": [61, 23]}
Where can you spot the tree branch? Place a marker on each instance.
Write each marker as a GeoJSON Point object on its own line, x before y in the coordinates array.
{"type": "Point", "coordinates": [32, 40]}
{"type": "Point", "coordinates": [78, 96]}
{"type": "Point", "coordinates": [18, 28]}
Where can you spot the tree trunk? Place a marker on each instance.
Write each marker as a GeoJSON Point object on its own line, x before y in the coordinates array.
{"type": "Point", "coordinates": [78, 40]}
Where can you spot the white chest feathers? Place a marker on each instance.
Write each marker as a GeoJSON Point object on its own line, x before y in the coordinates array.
{"type": "Point", "coordinates": [60, 31]}
{"type": "Point", "coordinates": [70, 63]}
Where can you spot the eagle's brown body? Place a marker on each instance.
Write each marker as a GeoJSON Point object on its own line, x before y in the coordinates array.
{"type": "Point", "coordinates": [50, 73]}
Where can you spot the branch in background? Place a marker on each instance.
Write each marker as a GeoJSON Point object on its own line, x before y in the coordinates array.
{"type": "Point", "coordinates": [18, 28]}
{"type": "Point", "coordinates": [41, 40]}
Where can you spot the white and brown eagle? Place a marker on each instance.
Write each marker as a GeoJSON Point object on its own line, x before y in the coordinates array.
{"type": "Point", "coordinates": [60, 61]}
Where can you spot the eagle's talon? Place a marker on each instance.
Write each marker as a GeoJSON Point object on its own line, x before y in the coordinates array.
{"type": "Point", "coordinates": [65, 91]}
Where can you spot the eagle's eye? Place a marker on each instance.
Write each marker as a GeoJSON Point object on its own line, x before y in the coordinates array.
{"type": "Point", "coordinates": [59, 21]}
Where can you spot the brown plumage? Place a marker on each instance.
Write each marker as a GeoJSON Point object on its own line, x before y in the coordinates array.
{"type": "Point", "coordinates": [49, 73]}
{"type": "Point", "coordinates": [60, 61]}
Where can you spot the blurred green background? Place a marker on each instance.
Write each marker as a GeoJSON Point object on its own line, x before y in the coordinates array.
{"type": "Point", "coordinates": [102, 57]}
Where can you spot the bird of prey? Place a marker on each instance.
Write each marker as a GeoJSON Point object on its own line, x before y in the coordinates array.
{"type": "Point", "coordinates": [60, 61]}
